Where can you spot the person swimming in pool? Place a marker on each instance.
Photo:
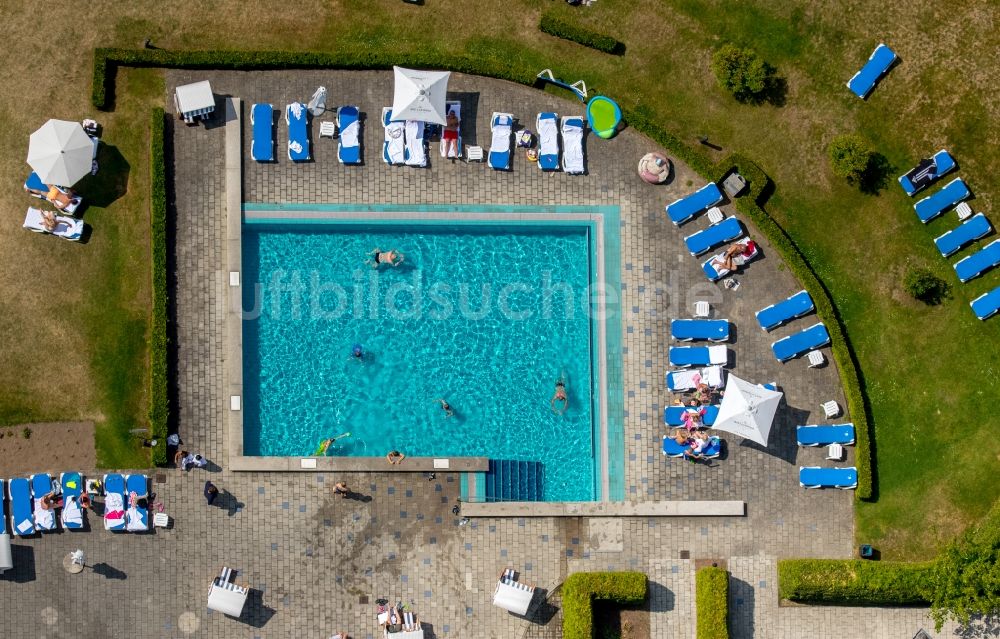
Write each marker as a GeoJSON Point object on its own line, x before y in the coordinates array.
{"type": "Point", "coordinates": [560, 400]}
{"type": "Point", "coordinates": [392, 257]}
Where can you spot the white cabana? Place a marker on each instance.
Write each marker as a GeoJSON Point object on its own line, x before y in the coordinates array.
{"type": "Point", "coordinates": [420, 95]}
{"type": "Point", "coordinates": [747, 410]}
{"type": "Point", "coordinates": [194, 100]}
{"type": "Point", "coordinates": [512, 595]}
{"type": "Point", "coordinates": [225, 596]}
{"type": "Point", "coordinates": [61, 152]}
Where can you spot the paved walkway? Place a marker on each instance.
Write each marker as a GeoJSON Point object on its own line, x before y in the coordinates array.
{"type": "Point", "coordinates": [316, 563]}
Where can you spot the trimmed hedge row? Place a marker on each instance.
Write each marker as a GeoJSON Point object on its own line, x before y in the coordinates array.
{"type": "Point", "coordinates": [711, 587]}
{"type": "Point", "coordinates": [159, 383]}
{"type": "Point", "coordinates": [856, 582]}
{"type": "Point", "coordinates": [581, 588]}
{"type": "Point", "coordinates": [555, 25]}
{"type": "Point", "coordinates": [499, 65]}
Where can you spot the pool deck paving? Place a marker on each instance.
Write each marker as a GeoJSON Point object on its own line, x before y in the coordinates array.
{"type": "Point", "coordinates": [316, 563]}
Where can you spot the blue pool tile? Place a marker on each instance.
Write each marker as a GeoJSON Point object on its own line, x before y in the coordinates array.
{"type": "Point", "coordinates": [438, 520]}
{"type": "Point", "coordinates": [631, 393]}
{"type": "Point", "coordinates": [437, 488]}
{"type": "Point", "coordinates": [396, 535]}
{"type": "Point", "coordinates": [632, 489]}
{"type": "Point", "coordinates": [675, 569]}
{"type": "Point", "coordinates": [468, 610]}
{"type": "Point", "coordinates": [309, 552]}
{"type": "Point", "coordinates": [763, 584]}
{"type": "Point", "coordinates": [645, 268]}
{"type": "Point", "coordinates": [638, 436]}
{"type": "Point", "coordinates": [444, 499]}
{"type": "Point", "coordinates": [635, 309]}
{"type": "Point", "coordinates": [274, 546]}
{"type": "Point", "coordinates": [427, 594]}
{"type": "Point", "coordinates": [545, 537]}
{"type": "Point", "coordinates": [302, 508]}
{"type": "Point", "coordinates": [420, 516]}
{"type": "Point", "coordinates": [642, 384]}
{"type": "Point", "coordinates": [404, 578]}
{"type": "Point", "coordinates": [450, 479]}
{"type": "Point", "coordinates": [624, 350]}
{"type": "Point", "coordinates": [631, 456]}
{"type": "Point", "coordinates": [446, 628]}
{"type": "Point", "coordinates": [284, 505]}
{"type": "Point", "coordinates": [433, 540]}
{"type": "Point", "coordinates": [628, 266]}
{"type": "Point", "coordinates": [409, 493]}
{"type": "Point", "coordinates": [704, 531]}
{"type": "Point", "coordinates": [520, 522]}
{"type": "Point", "coordinates": [575, 541]}
{"type": "Point", "coordinates": [468, 546]}
{"type": "Point", "coordinates": [644, 480]}
{"type": "Point", "coordinates": [402, 514]}
{"type": "Point", "coordinates": [527, 566]}
{"type": "Point", "coordinates": [643, 416]}
{"type": "Point", "coordinates": [260, 490]}
{"type": "Point", "coordinates": [320, 479]}
{"type": "Point", "coordinates": [647, 332]}
{"type": "Point", "coordinates": [392, 556]}
{"type": "Point", "coordinates": [649, 459]}
{"type": "Point", "coordinates": [493, 529]}
{"type": "Point", "coordinates": [625, 413]}
{"type": "Point", "coordinates": [373, 487]}
{"type": "Point", "coordinates": [649, 363]}
{"type": "Point", "coordinates": [503, 552]}
{"type": "Point", "coordinates": [391, 490]}
{"type": "Point", "coordinates": [427, 562]}
{"type": "Point", "coordinates": [569, 552]}
{"type": "Point", "coordinates": [641, 289]}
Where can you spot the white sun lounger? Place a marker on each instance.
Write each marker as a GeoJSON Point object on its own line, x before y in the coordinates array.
{"type": "Point", "coordinates": [456, 108]}
{"type": "Point", "coordinates": [67, 228]}
{"type": "Point", "coordinates": [502, 128]}
{"type": "Point", "coordinates": [548, 141]}
{"type": "Point", "coordinates": [572, 137]}
{"type": "Point", "coordinates": [394, 147]}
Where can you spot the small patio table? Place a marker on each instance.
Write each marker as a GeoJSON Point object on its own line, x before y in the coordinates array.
{"type": "Point", "coordinates": [654, 168]}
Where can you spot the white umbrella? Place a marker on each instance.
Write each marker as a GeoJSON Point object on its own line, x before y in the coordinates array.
{"type": "Point", "coordinates": [747, 410]}
{"type": "Point", "coordinates": [60, 152]}
{"type": "Point", "coordinates": [317, 104]}
{"type": "Point", "coordinates": [420, 95]}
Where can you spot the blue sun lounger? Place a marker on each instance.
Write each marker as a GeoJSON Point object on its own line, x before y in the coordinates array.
{"type": "Point", "coordinates": [502, 129]}
{"type": "Point", "coordinates": [926, 172]}
{"type": "Point", "coordinates": [41, 485]}
{"type": "Point", "coordinates": [800, 343]}
{"type": "Point", "coordinates": [349, 143]}
{"type": "Point", "coordinates": [21, 508]}
{"type": "Point", "coordinates": [934, 205]}
{"type": "Point", "coordinates": [697, 355]}
{"type": "Point", "coordinates": [547, 126]}
{"type": "Point", "coordinates": [72, 513]}
{"type": "Point", "coordinates": [971, 230]}
{"type": "Point", "coordinates": [786, 310]}
{"type": "Point", "coordinates": [686, 330]}
{"type": "Point", "coordinates": [681, 210]}
{"type": "Point", "coordinates": [978, 263]}
{"type": "Point", "coordinates": [672, 449]}
{"type": "Point", "coordinates": [297, 118]}
{"type": "Point", "coordinates": [816, 477]}
{"type": "Point", "coordinates": [878, 63]}
{"type": "Point", "coordinates": [825, 435]}
{"type": "Point", "coordinates": [674, 415]}
{"type": "Point", "coordinates": [262, 124]}
{"type": "Point", "coordinates": [725, 231]}
{"type": "Point", "coordinates": [137, 517]}
{"type": "Point", "coordinates": [987, 304]}
{"type": "Point", "coordinates": [115, 502]}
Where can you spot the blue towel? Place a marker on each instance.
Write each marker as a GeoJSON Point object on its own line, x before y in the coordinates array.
{"type": "Point", "coordinates": [35, 182]}
{"type": "Point", "coordinates": [978, 263]}
{"type": "Point", "coordinates": [971, 230]}
{"type": "Point", "coordinates": [788, 309]}
{"type": "Point", "coordinates": [700, 329]}
{"type": "Point", "coordinates": [816, 477]}
{"type": "Point", "coordinates": [934, 205]}
{"type": "Point", "coordinates": [673, 415]}
{"type": "Point", "coordinates": [823, 435]}
{"type": "Point", "coordinates": [986, 304]}
{"type": "Point", "coordinates": [878, 63]}
{"type": "Point", "coordinates": [800, 343]}
{"type": "Point", "coordinates": [685, 208]}
{"type": "Point", "coordinates": [725, 231]}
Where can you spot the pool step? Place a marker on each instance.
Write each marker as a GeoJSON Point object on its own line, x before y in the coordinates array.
{"type": "Point", "coordinates": [513, 480]}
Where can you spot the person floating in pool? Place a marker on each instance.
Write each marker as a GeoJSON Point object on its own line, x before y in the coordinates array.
{"type": "Point", "coordinates": [446, 407]}
{"type": "Point", "coordinates": [357, 352]}
{"type": "Point", "coordinates": [392, 257]}
{"type": "Point", "coordinates": [560, 401]}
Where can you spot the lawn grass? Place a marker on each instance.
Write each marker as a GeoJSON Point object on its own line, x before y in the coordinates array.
{"type": "Point", "coordinates": [929, 371]}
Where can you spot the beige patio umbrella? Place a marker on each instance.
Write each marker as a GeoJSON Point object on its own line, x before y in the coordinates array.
{"type": "Point", "coordinates": [60, 152]}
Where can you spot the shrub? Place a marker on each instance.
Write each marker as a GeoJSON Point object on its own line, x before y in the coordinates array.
{"type": "Point", "coordinates": [712, 603]}
{"type": "Point", "coordinates": [925, 286]}
{"type": "Point", "coordinates": [742, 72]}
{"type": "Point", "coordinates": [967, 574]}
{"type": "Point", "coordinates": [581, 588]}
{"type": "Point", "coordinates": [555, 25]}
{"type": "Point", "coordinates": [851, 157]}
{"type": "Point", "coordinates": [159, 381]}
{"type": "Point", "coordinates": [855, 582]}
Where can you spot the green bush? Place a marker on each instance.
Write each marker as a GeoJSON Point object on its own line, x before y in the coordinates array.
{"type": "Point", "coordinates": [159, 382]}
{"type": "Point", "coordinates": [925, 286]}
{"type": "Point", "coordinates": [855, 582]}
{"type": "Point", "coordinates": [742, 72]}
{"type": "Point", "coordinates": [967, 574]}
{"type": "Point", "coordinates": [555, 25]}
{"type": "Point", "coordinates": [712, 603]}
{"type": "Point", "coordinates": [581, 588]}
{"type": "Point", "coordinates": [851, 157]}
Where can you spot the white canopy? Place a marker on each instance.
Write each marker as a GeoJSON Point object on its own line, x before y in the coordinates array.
{"type": "Point", "coordinates": [747, 410]}
{"type": "Point", "coordinates": [196, 96]}
{"type": "Point", "coordinates": [420, 95]}
{"type": "Point", "coordinates": [60, 152]}
{"type": "Point", "coordinates": [515, 597]}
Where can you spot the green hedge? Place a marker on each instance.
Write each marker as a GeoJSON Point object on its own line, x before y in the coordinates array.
{"type": "Point", "coordinates": [855, 582]}
{"type": "Point", "coordinates": [711, 586]}
{"type": "Point", "coordinates": [159, 382]}
{"type": "Point", "coordinates": [581, 588]}
{"type": "Point", "coordinates": [555, 25]}
{"type": "Point", "coordinates": [498, 63]}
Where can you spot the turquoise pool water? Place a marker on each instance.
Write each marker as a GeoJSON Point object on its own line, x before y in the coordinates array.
{"type": "Point", "coordinates": [485, 316]}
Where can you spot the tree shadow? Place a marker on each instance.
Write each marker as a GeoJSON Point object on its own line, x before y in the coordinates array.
{"type": "Point", "coordinates": [741, 608]}
{"type": "Point", "coordinates": [111, 181]}
{"type": "Point", "coordinates": [660, 598]}
{"type": "Point", "coordinates": [876, 176]}
{"type": "Point", "coordinates": [980, 627]}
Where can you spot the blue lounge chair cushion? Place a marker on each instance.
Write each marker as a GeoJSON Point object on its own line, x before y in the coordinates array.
{"type": "Point", "coordinates": [21, 509]}
{"type": "Point", "coordinates": [926, 172]}
{"type": "Point", "coordinates": [500, 159]}
{"type": "Point", "coordinates": [137, 484]}
{"type": "Point", "coordinates": [725, 231]}
{"type": "Point", "coordinates": [786, 310]}
{"type": "Point", "coordinates": [878, 63]}
{"type": "Point", "coordinates": [800, 343]}
{"type": "Point", "coordinates": [3, 511]}
{"type": "Point", "coordinates": [681, 210]}
{"type": "Point", "coordinates": [349, 143]}
{"type": "Point", "coordinates": [298, 132]}
{"type": "Point", "coordinates": [825, 434]}
{"type": "Point", "coordinates": [72, 488]}
{"type": "Point", "coordinates": [41, 485]}
{"type": "Point", "coordinates": [262, 122]}
{"type": "Point", "coordinates": [934, 205]}
{"type": "Point", "coordinates": [971, 230]}
{"type": "Point", "coordinates": [716, 330]}
{"type": "Point", "coordinates": [986, 304]}
{"type": "Point", "coordinates": [114, 484]}
{"type": "Point", "coordinates": [978, 263]}
{"type": "Point", "coordinates": [697, 355]}
{"type": "Point", "coordinates": [35, 182]}
{"type": "Point", "coordinates": [673, 415]}
{"type": "Point", "coordinates": [550, 123]}
{"type": "Point", "coordinates": [816, 477]}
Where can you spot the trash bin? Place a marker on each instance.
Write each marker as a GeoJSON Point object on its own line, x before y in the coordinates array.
{"type": "Point", "coordinates": [866, 551]}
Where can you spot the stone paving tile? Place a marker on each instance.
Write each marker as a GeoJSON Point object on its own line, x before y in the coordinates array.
{"type": "Point", "coordinates": [310, 558]}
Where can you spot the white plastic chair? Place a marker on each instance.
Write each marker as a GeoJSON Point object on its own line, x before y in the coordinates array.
{"type": "Point", "coordinates": [161, 520]}
{"type": "Point", "coordinates": [715, 215]}
{"type": "Point", "coordinates": [327, 129]}
{"type": "Point", "coordinates": [701, 309]}
{"type": "Point", "coordinates": [830, 408]}
{"type": "Point", "coordinates": [964, 211]}
{"type": "Point", "coordinates": [473, 154]}
{"type": "Point", "coordinates": [835, 452]}
{"type": "Point", "coordinates": [816, 359]}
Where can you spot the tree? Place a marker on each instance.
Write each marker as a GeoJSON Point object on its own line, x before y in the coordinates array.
{"type": "Point", "coordinates": [925, 286]}
{"type": "Point", "coordinates": [967, 574]}
{"type": "Point", "coordinates": [742, 72]}
{"type": "Point", "coordinates": [851, 157]}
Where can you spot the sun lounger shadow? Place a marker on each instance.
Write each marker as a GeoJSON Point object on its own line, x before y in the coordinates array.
{"type": "Point", "coordinates": [108, 572]}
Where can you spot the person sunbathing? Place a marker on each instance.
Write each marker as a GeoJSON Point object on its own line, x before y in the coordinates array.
{"type": "Point", "coordinates": [392, 257]}
{"type": "Point", "coordinates": [699, 443]}
{"type": "Point", "coordinates": [51, 501]}
{"type": "Point", "coordinates": [737, 251]}
{"type": "Point", "coordinates": [451, 135]}
{"type": "Point", "coordinates": [49, 221]}
{"type": "Point", "coordinates": [56, 197]}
